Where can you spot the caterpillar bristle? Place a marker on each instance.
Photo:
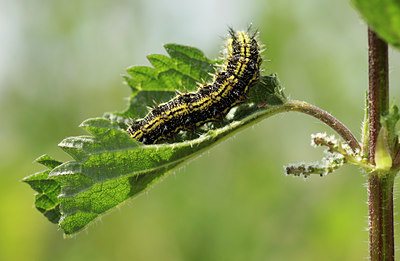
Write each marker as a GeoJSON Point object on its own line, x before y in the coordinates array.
{"type": "Point", "coordinates": [149, 108]}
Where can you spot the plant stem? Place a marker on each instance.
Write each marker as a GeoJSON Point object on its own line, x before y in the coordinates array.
{"type": "Point", "coordinates": [380, 202]}
{"type": "Point", "coordinates": [327, 118]}
{"type": "Point", "coordinates": [380, 187]}
{"type": "Point", "coordinates": [378, 95]}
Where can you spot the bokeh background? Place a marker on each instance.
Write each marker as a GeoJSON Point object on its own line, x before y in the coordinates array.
{"type": "Point", "coordinates": [61, 62]}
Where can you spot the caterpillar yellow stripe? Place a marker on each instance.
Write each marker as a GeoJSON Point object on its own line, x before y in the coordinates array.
{"type": "Point", "coordinates": [210, 102]}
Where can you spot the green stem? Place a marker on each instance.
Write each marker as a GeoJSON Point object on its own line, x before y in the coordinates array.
{"type": "Point", "coordinates": [380, 185]}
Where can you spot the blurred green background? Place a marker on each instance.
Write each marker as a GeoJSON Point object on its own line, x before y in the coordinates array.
{"type": "Point", "coordinates": [61, 63]}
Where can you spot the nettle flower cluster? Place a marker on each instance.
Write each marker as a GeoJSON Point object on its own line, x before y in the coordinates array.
{"type": "Point", "coordinates": [336, 153]}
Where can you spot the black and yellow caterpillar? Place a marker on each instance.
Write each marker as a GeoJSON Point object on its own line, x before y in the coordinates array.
{"type": "Point", "coordinates": [211, 101]}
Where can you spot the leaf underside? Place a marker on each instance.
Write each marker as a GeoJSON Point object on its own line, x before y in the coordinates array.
{"type": "Point", "coordinates": [109, 167]}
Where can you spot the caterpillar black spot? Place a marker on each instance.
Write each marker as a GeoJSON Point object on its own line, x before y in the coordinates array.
{"type": "Point", "coordinates": [212, 101]}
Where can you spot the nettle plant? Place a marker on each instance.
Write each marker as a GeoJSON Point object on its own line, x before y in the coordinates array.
{"type": "Point", "coordinates": [110, 167]}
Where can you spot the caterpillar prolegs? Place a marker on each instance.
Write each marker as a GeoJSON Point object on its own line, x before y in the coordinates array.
{"type": "Point", "coordinates": [212, 101]}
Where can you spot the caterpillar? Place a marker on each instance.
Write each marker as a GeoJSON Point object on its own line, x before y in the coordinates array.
{"type": "Point", "coordinates": [212, 101]}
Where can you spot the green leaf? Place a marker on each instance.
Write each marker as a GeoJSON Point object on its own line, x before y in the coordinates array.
{"type": "Point", "coordinates": [47, 189]}
{"type": "Point", "coordinates": [185, 67]}
{"type": "Point", "coordinates": [383, 16]}
{"type": "Point", "coordinates": [183, 70]}
{"type": "Point", "coordinates": [109, 167]}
